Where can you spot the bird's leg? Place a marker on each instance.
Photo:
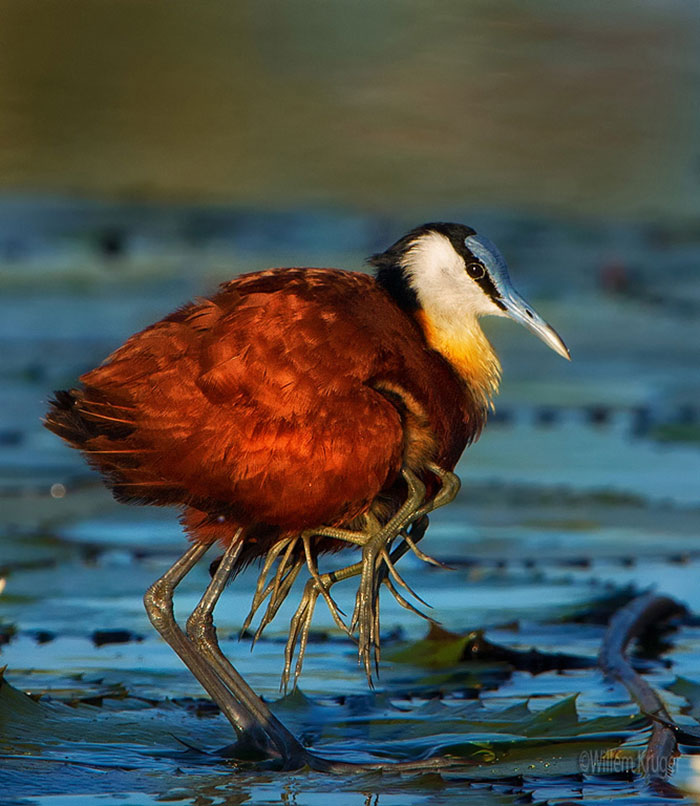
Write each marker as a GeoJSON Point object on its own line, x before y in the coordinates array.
{"type": "Point", "coordinates": [202, 633]}
{"type": "Point", "coordinates": [389, 572]}
{"type": "Point", "coordinates": [408, 541]}
{"type": "Point", "coordinates": [336, 612]}
{"type": "Point", "coordinates": [277, 588]}
{"type": "Point", "coordinates": [299, 631]}
{"type": "Point", "coordinates": [301, 621]}
{"type": "Point", "coordinates": [299, 627]}
{"type": "Point", "coordinates": [376, 567]}
{"type": "Point", "coordinates": [449, 487]}
{"type": "Point", "coordinates": [376, 560]}
{"type": "Point", "coordinates": [158, 601]}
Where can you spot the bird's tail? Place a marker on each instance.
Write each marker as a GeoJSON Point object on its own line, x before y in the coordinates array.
{"type": "Point", "coordinates": [79, 422]}
{"type": "Point", "coordinates": [108, 432]}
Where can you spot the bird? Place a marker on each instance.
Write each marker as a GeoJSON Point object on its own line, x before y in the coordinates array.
{"type": "Point", "coordinates": [297, 412]}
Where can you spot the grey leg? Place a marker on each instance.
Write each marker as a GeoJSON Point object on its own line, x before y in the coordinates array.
{"type": "Point", "coordinates": [202, 633]}
{"type": "Point", "coordinates": [159, 606]}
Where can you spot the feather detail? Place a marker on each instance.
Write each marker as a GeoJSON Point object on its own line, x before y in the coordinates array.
{"type": "Point", "coordinates": [105, 417]}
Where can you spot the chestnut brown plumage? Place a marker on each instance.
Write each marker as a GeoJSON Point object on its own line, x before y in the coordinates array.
{"type": "Point", "coordinates": [294, 412]}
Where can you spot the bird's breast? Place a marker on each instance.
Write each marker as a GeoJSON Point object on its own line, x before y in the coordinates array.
{"type": "Point", "coordinates": [469, 353]}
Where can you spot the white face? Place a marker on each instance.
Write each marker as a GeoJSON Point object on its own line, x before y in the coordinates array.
{"type": "Point", "coordinates": [439, 277]}
{"type": "Point", "coordinates": [453, 300]}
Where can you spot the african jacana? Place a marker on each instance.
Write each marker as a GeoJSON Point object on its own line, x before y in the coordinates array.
{"type": "Point", "coordinates": [294, 412]}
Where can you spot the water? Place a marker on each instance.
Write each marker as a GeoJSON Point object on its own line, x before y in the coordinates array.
{"type": "Point", "coordinates": [570, 496]}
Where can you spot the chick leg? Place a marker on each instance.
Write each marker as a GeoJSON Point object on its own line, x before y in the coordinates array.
{"type": "Point", "coordinates": [412, 510]}
{"type": "Point", "coordinates": [375, 555]}
{"type": "Point", "coordinates": [301, 621]}
{"type": "Point", "coordinates": [376, 567]}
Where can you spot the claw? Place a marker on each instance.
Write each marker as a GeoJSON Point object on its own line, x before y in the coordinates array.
{"type": "Point", "coordinates": [299, 633]}
{"type": "Point", "coordinates": [426, 558]}
{"type": "Point", "coordinates": [405, 603]}
{"type": "Point", "coordinates": [279, 594]}
{"type": "Point", "coordinates": [365, 605]}
{"type": "Point", "coordinates": [399, 579]}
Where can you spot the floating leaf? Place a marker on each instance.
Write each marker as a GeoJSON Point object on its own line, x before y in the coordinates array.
{"type": "Point", "coordinates": [440, 649]}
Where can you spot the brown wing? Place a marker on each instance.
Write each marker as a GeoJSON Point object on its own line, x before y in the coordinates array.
{"type": "Point", "coordinates": [258, 403]}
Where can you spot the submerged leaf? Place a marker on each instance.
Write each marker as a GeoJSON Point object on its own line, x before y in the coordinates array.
{"type": "Point", "coordinates": [15, 704]}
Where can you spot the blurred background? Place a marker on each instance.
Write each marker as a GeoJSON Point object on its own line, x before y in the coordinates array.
{"type": "Point", "coordinates": [149, 150]}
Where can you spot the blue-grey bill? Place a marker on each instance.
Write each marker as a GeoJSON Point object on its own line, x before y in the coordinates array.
{"type": "Point", "coordinates": [516, 307]}
{"type": "Point", "coordinates": [525, 315]}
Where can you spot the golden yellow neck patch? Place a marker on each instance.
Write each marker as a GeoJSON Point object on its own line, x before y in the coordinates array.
{"type": "Point", "coordinates": [469, 352]}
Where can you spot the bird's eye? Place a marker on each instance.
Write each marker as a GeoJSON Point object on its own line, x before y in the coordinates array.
{"type": "Point", "coordinates": [475, 270]}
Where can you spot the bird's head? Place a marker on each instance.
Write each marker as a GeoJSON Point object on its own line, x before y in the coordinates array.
{"type": "Point", "coordinates": [452, 276]}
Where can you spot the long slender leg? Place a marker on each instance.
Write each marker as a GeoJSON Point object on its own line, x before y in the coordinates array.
{"type": "Point", "coordinates": [366, 614]}
{"type": "Point", "coordinates": [375, 556]}
{"type": "Point", "coordinates": [376, 559]}
{"type": "Point", "coordinates": [449, 487]}
{"type": "Point", "coordinates": [406, 514]}
{"type": "Point", "coordinates": [254, 724]}
{"type": "Point", "coordinates": [202, 633]}
{"type": "Point", "coordinates": [335, 611]}
{"type": "Point", "coordinates": [412, 510]}
{"type": "Point", "coordinates": [158, 601]}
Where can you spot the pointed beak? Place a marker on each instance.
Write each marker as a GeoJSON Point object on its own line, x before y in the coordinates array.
{"type": "Point", "coordinates": [514, 305]}
{"type": "Point", "coordinates": [524, 314]}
